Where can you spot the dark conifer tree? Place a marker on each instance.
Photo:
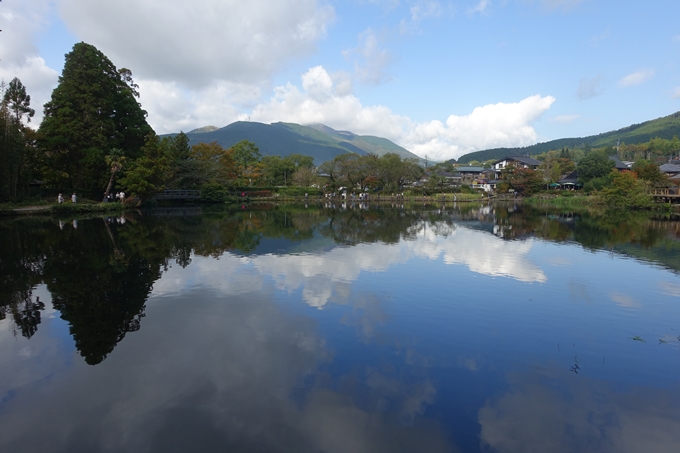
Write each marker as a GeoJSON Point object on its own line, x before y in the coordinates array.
{"type": "Point", "coordinates": [92, 111]}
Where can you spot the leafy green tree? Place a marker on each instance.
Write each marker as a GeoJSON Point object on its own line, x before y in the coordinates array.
{"type": "Point", "coordinates": [595, 164]}
{"type": "Point", "coordinates": [649, 171]}
{"type": "Point", "coordinates": [182, 166]}
{"type": "Point", "coordinates": [627, 190]}
{"type": "Point", "coordinates": [93, 110]}
{"type": "Point", "coordinates": [393, 172]}
{"type": "Point", "coordinates": [147, 175]}
{"type": "Point", "coordinates": [246, 155]}
{"type": "Point", "coordinates": [524, 180]}
{"type": "Point", "coordinates": [213, 164]}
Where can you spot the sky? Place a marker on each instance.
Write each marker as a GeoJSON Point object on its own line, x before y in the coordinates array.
{"type": "Point", "coordinates": [440, 78]}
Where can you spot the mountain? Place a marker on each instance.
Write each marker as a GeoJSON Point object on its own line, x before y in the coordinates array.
{"type": "Point", "coordinates": [665, 127]}
{"type": "Point", "coordinates": [282, 139]}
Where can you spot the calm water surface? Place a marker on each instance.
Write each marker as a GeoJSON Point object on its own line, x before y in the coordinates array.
{"type": "Point", "coordinates": [320, 329]}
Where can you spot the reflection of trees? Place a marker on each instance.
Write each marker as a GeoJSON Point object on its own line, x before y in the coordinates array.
{"type": "Point", "coordinates": [102, 299]}
{"type": "Point", "coordinates": [101, 274]}
{"type": "Point", "coordinates": [21, 266]}
{"type": "Point", "coordinates": [355, 226]}
{"type": "Point", "coordinates": [592, 230]}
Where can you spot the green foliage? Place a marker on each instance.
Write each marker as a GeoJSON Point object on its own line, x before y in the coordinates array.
{"type": "Point", "coordinates": [93, 109]}
{"type": "Point", "coordinates": [214, 193]}
{"type": "Point", "coordinates": [299, 192]}
{"type": "Point", "coordinates": [649, 171]}
{"type": "Point", "coordinates": [627, 191]}
{"type": "Point", "coordinates": [597, 184]}
{"type": "Point", "coordinates": [523, 180]}
{"type": "Point", "coordinates": [147, 175]}
{"type": "Point", "coordinates": [18, 157]}
{"type": "Point", "coordinates": [595, 164]}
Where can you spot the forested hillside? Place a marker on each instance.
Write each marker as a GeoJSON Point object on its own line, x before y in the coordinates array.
{"type": "Point", "coordinates": [283, 139]}
{"type": "Point", "coordinates": [665, 128]}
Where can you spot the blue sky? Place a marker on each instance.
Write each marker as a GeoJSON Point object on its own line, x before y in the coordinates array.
{"type": "Point", "coordinates": [440, 78]}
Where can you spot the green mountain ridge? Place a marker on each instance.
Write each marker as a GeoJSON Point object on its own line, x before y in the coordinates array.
{"type": "Point", "coordinates": [665, 127]}
{"type": "Point", "coordinates": [321, 142]}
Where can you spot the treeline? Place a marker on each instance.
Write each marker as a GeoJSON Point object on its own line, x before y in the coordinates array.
{"type": "Point", "coordinates": [94, 137]}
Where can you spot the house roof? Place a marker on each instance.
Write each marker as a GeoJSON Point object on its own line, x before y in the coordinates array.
{"type": "Point", "coordinates": [670, 168]}
{"type": "Point", "coordinates": [571, 178]}
{"type": "Point", "coordinates": [470, 169]}
{"type": "Point", "coordinates": [525, 160]}
{"type": "Point", "coordinates": [618, 164]}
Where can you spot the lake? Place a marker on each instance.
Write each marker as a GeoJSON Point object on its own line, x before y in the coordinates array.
{"type": "Point", "coordinates": [341, 328]}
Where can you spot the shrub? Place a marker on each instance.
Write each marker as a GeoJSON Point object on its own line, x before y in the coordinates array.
{"type": "Point", "coordinates": [213, 193]}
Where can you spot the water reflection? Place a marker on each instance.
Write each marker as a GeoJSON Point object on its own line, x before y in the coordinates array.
{"type": "Point", "coordinates": [307, 328]}
{"type": "Point", "coordinates": [101, 274]}
{"type": "Point", "coordinates": [223, 382]}
{"type": "Point", "coordinates": [545, 410]}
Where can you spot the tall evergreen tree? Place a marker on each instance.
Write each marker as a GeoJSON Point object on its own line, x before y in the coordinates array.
{"type": "Point", "coordinates": [92, 111]}
{"type": "Point", "coordinates": [15, 159]}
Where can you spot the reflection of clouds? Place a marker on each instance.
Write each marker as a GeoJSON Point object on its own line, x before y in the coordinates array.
{"type": "Point", "coordinates": [485, 254]}
{"type": "Point", "coordinates": [580, 291]}
{"type": "Point", "coordinates": [624, 300]}
{"type": "Point", "coordinates": [209, 373]}
{"type": "Point", "coordinates": [567, 414]}
{"type": "Point", "coordinates": [321, 276]}
{"type": "Point", "coordinates": [670, 289]}
{"type": "Point", "coordinates": [559, 261]}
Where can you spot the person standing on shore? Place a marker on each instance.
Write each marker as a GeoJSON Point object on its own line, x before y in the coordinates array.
{"type": "Point", "coordinates": [60, 199]}
{"type": "Point", "coordinates": [73, 198]}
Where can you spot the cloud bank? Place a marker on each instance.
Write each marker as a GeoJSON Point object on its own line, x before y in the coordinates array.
{"type": "Point", "coordinates": [212, 63]}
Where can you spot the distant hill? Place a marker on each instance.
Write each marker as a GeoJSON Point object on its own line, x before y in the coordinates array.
{"type": "Point", "coordinates": [283, 139]}
{"type": "Point", "coordinates": [203, 129]}
{"type": "Point", "coordinates": [665, 127]}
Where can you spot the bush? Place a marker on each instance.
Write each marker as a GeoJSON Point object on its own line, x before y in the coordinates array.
{"type": "Point", "coordinates": [298, 191]}
{"type": "Point", "coordinates": [213, 193]}
{"type": "Point", "coordinates": [596, 184]}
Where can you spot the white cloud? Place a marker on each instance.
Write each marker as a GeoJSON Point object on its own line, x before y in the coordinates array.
{"type": "Point", "coordinates": [172, 108]}
{"type": "Point", "coordinates": [589, 88]}
{"type": "Point", "coordinates": [676, 93]}
{"type": "Point", "coordinates": [370, 58]}
{"type": "Point", "coordinates": [480, 8]}
{"type": "Point", "coordinates": [425, 10]}
{"type": "Point", "coordinates": [20, 54]}
{"type": "Point", "coordinates": [676, 38]}
{"type": "Point", "coordinates": [194, 43]}
{"type": "Point", "coordinates": [567, 118]}
{"type": "Point", "coordinates": [636, 78]}
{"type": "Point", "coordinates": [490, 126]}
